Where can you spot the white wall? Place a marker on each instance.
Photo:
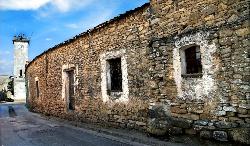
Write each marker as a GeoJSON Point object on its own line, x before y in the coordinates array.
{"type": "Point", "coordinates": [20, 59]}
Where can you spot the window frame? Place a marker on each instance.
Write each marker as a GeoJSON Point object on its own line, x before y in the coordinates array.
{"type": "Point", "coordinates": [105, 77]}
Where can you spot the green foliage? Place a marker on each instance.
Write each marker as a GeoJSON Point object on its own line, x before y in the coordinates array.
{"type": "Point", "coordinates": [9, 99]}
{"type": "Point", "coordinates": [3, 95]}
{"type": "Point", "coordinates": [11, 86]}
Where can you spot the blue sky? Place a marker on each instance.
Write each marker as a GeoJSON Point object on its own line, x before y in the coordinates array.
{"type": "Point", "coordinates": [49, 22]}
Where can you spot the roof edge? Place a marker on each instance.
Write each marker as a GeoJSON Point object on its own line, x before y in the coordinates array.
{"type": "Point", "coordinates": [119, 17]}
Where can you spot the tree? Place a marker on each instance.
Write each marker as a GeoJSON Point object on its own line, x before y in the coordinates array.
{"type": "Point", "coordinates": [11, 86]}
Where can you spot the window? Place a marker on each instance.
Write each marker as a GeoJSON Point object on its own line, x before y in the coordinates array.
{"type": "Point", "coordinates": [37, 89]}
{"type": "Point", "coordinates": [115, 74]}
{"type": "Point", "coordinates": [21, 73]}
{"type": "Point", "coordinates": [193, 60]}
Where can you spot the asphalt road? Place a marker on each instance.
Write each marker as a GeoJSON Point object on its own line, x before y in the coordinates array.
{"type": "Point", "coordinates": [19, 127]}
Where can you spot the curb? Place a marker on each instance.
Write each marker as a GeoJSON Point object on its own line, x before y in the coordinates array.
{"type": "Point", "coordinates": [138, 138]}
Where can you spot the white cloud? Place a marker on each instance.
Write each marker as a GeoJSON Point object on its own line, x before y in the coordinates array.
{"type": "Point", "coordinates": [66, 5]}
{"type": "Point", "coordinates": [5, 52]}
{"type": "Point", "coordinates": [60, 5]}
{"type": "Point", "coordinates": [72, 25]}
{"type": "Point", "coordinates": [92, 20]}
{"type": "Point", "coordinates": [5, 67]}
{"type": "Point", "coordinates": [22, 4]}
{"type": "Point", "coordinates": [99, 18]}
{"type": "Point", "coordinates": [5, 63]}
{"type": "Point", "coordinates": [48, 39]}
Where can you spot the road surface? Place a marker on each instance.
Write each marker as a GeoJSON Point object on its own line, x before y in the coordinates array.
{"type": "Point", "coordinates": [19, 127]}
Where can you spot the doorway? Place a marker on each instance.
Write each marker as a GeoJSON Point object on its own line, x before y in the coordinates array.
{"type": "Point", "coordinates": [70, 90]}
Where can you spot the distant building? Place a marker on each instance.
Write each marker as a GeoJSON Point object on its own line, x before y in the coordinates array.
{"type": "Point", "coordinates": [21, 44]}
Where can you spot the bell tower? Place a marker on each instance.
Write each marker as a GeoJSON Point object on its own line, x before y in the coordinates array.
{"type": "Point", "coordinates": [21, 44]}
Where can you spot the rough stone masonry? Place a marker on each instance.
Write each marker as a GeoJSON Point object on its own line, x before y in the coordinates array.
{"type": "Point", "coordinates": [167, 67]}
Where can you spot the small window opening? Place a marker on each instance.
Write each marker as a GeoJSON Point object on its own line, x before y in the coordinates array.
{"type": "Point", "coordinates": [115, 75]}
{"type": "Point", "coordinates": [193, 60]}
{"type": "Point", "coordinates": [21, 73]}
{"type": "Point", "coordinates": [37, 89]}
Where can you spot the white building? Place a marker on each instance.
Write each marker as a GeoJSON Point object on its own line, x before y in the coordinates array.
{"type": "Point", "coordinates": [21, 44]}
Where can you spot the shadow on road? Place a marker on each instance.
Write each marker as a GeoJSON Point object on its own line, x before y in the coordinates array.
{"type": "Point", "coordinates": [12, 112]}
{"type": "Point", "coordinates": [0, 135]}
{"type": "Point", "coordinates": [0, 129]}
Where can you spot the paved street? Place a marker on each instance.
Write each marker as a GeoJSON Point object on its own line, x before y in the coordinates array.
{"type": "Point", "coordinates": [18, 127]}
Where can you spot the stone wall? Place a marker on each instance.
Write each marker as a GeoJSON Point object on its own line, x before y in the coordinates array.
{"type": "Point", "coordinates": [160, 100]}
{"type": "Point", "coordinates": [84, 53]}
{"type": "Point", "coordinates": [215, 102]}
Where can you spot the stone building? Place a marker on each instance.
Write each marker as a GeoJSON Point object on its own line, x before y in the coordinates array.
{"type": "Point", "coordinates": [167, 67]}
{"type": "Point", "coordinates": [21, 44]}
